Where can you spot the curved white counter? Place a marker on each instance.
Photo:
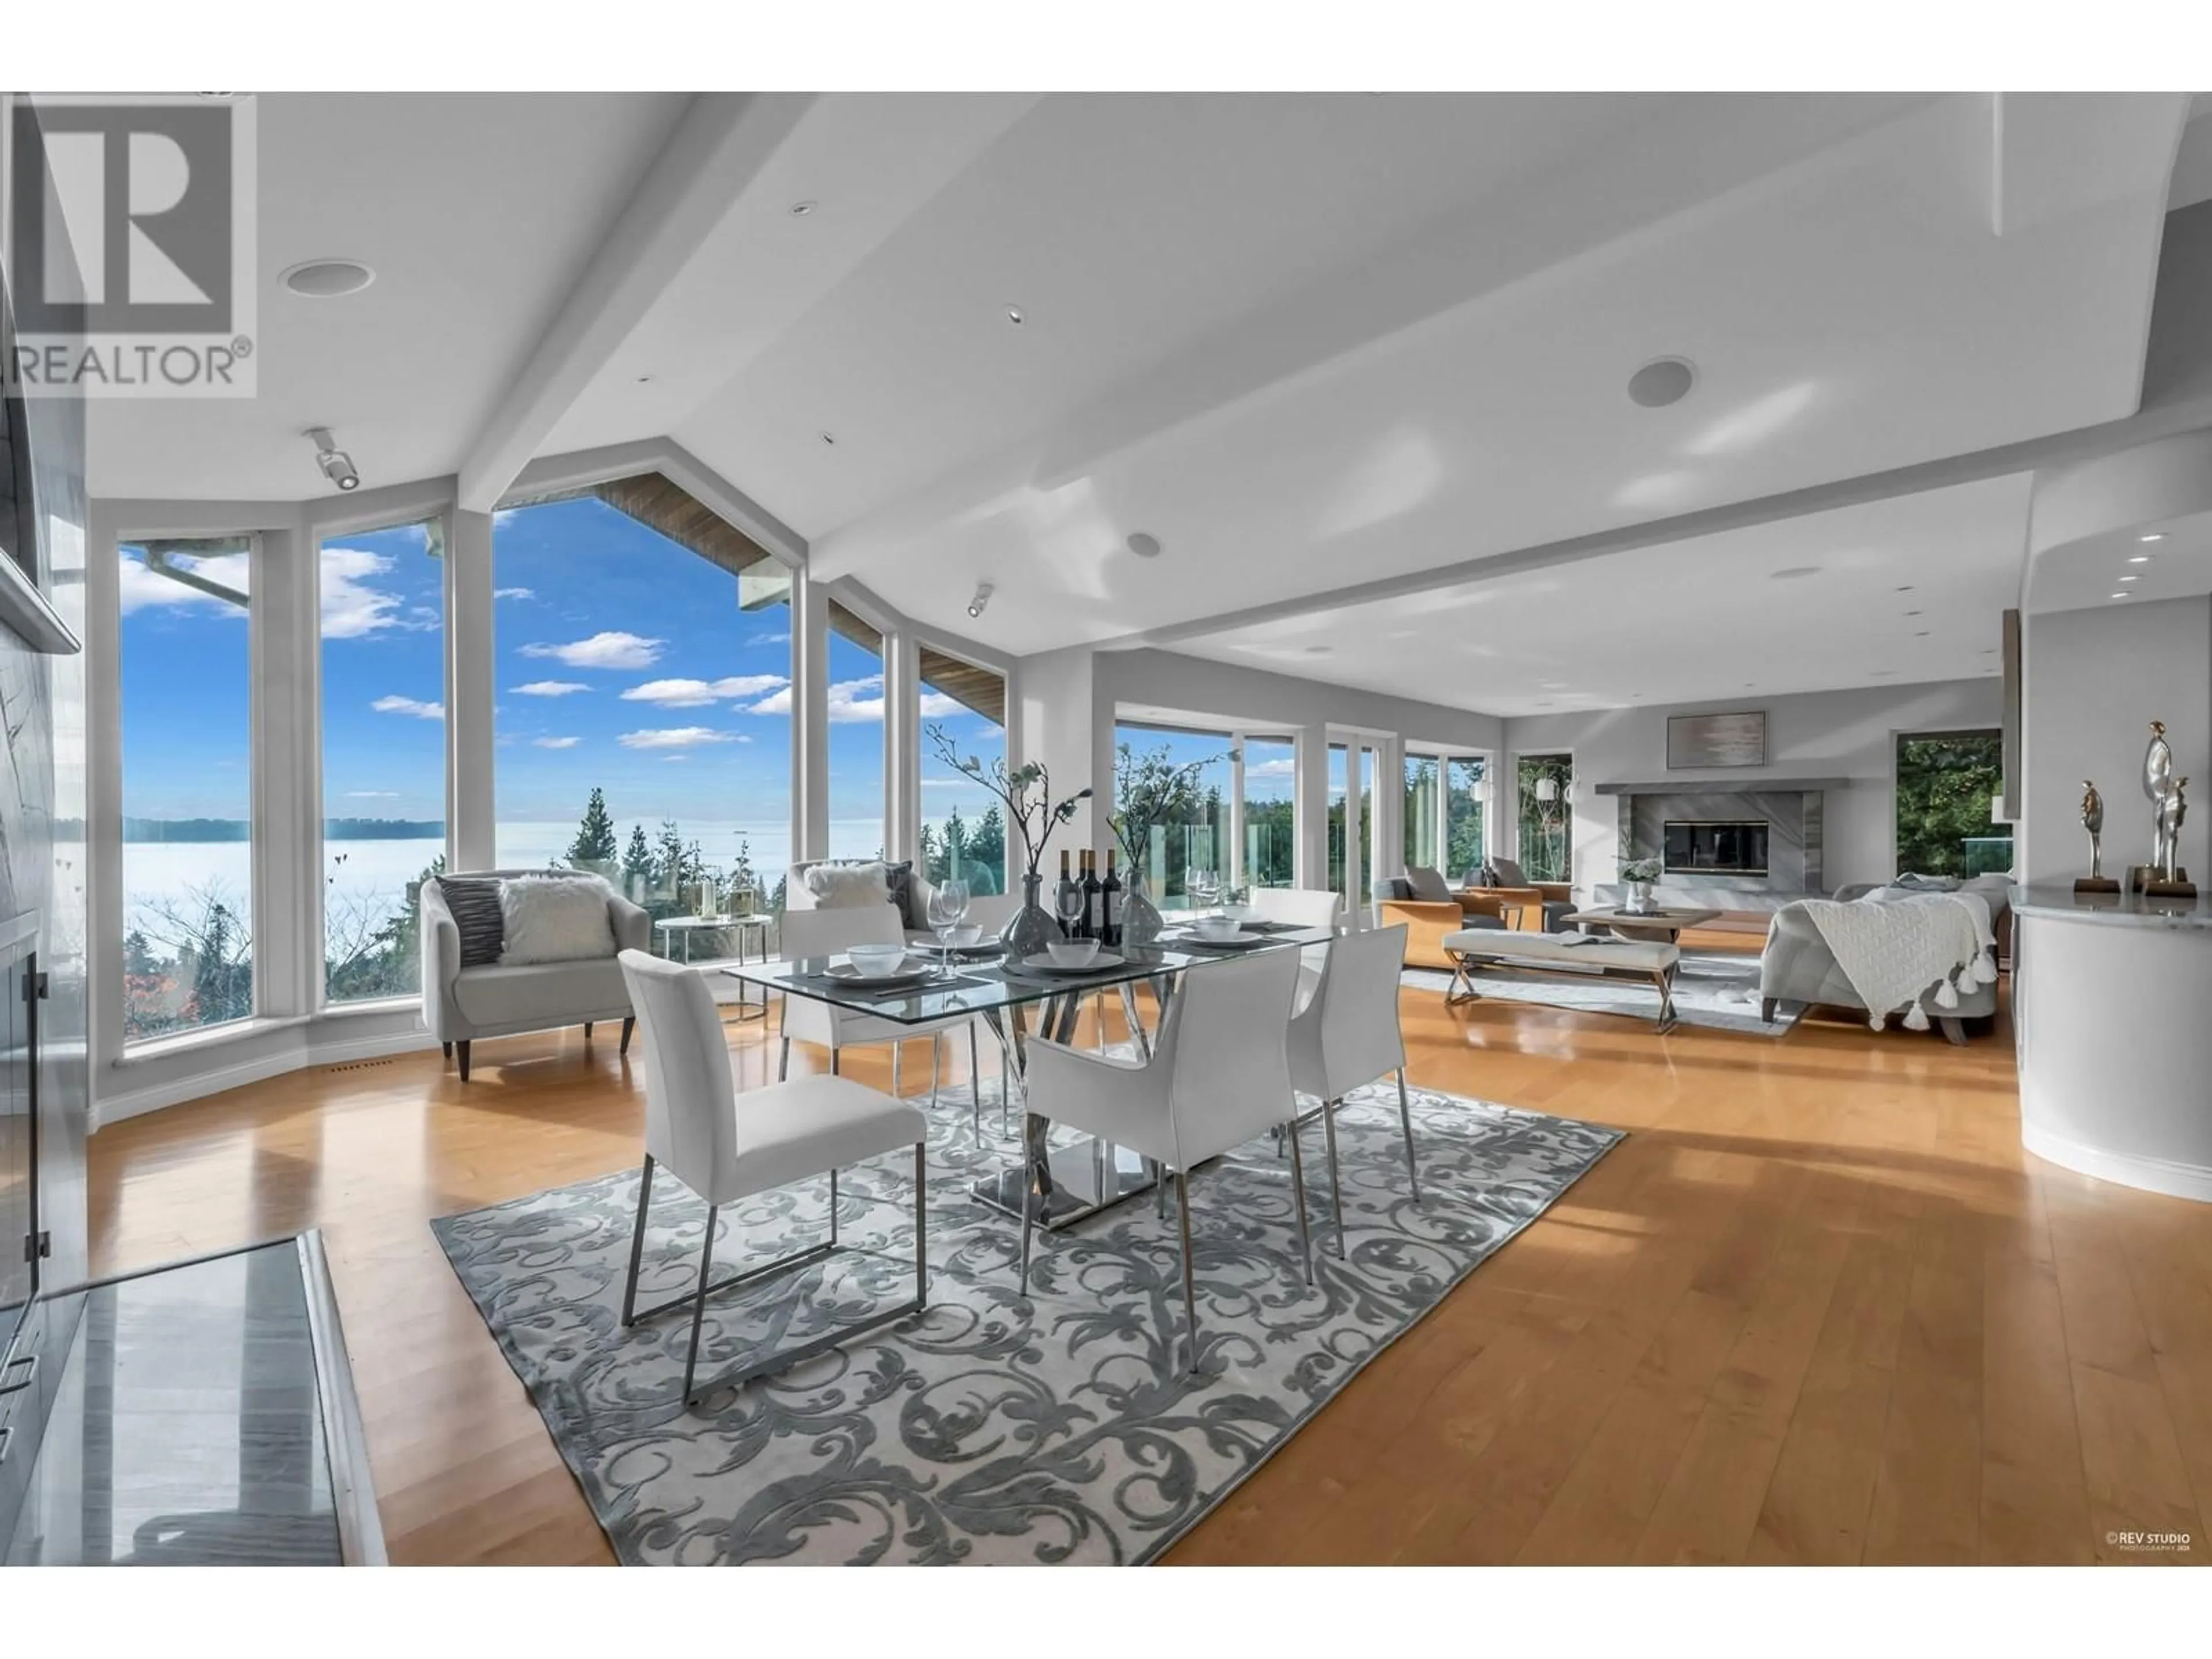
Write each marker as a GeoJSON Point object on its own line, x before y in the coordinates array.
{"type": "Point", "coordinates": [2112, 1007]}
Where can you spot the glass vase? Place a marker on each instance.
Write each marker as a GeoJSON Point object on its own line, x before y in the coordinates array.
{"type": "Point", "coordinates": [1140, 918]}
{"type": "Point", "coordinates": [1031, 929]}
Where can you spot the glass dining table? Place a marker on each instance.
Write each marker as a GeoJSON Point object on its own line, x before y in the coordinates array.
{"type": "Point", "coordinates": [1062, 1184]}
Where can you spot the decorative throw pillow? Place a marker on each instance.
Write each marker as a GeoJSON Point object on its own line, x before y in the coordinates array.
{"type": "Point", "coordinates": [1427, 884]}
{"type": "Point", "coordinates": [474, 902]}
{"type": "Point", "coordinates": [554, 919]}
{"type": "Point", "coordinates": [839, 886]}
{"type": "Point", "coordinates": [898, 878]}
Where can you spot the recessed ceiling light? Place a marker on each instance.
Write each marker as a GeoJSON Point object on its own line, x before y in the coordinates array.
{"type": "Point", "coordinates": [1907, 588]}
{"type": "Point", "coordinates": [1319, 650]}
{"type": "Point", "coordinates": [2138, 558]}
{"type": "Point", "coordinates": [1144, 544]}
{"type": "Point", "coordinates": [1014, 315]}
{"type": "Point", "coordinates": [1793, 572]}
{"type": "Point", "coordinates": [2131, 579]}
{"type": "Point", "coordinates": [1884, 674]}
{"type": "Point", "coordinates": [1547, 704]}
{"type": "Point", "coordinates": [2121, 596]}
{"type": "Point", "coordinates": [326, 279]}
{"type": "Point", "coordinates": [1912, 613]}
{"type": "Point", "coordinates": [645, 380]}
{"type": "Point", "coordinates": [2155, 536]}
{"type": "Point", "coordinates": [800, 210]}
{"type": "Point", "coordinates": [1662, 381]}
{"type": "Point", "coordinates": [828, 437]}
{"type": "Point", "coordinates": [1919, 632]}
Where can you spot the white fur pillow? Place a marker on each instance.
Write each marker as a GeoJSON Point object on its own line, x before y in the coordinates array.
{"type": "Point", "coordinates": [839, 886]}
{"type": "Point", "coordinates": [554, 919]}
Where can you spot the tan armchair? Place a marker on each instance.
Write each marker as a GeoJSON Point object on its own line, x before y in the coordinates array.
{"type": "Point", "coordinates": [1425, 903]}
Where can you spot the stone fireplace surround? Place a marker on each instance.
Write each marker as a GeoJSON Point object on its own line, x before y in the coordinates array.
{"type": "Point", "coordinates": [1792, 808]}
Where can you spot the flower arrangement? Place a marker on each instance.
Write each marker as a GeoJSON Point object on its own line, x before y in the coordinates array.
{"type": "Point", "coordinates": [1150, 790]}
{"type": "Point", "coordinates": [1025, 791]}
{"type": "Point", "coordinates": [1641, 869]}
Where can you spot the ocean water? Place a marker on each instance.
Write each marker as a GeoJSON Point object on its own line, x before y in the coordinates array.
{"type": "Point", "coordinates": [371, 877]}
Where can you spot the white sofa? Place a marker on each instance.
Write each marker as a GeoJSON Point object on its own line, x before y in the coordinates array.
{"type": "Point", "coordinates": [460, 1005]}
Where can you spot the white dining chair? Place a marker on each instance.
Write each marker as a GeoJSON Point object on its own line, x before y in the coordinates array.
{"type": "Point", "coordinates": [726, 1147]}
{"type": "Point", "coordinates": [1347, 1034]}
{"type": "Point", "coordinates": [832, 932]}
{"type": "Point", "coordinates": [1301, 907]}
{"type": "Point", "coordinates": [1218, 1074]}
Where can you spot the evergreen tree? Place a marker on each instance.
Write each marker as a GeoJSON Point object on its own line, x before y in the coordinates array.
{"type": "Point", "coordinates": [986, 851]}
{"type": "Point", "coordinates": [138, 955]}
{"type": "Point", "coordinates": [594, 846]}
{"type": "Point", "coordinates": [671, 861]}
{"type": "Point", "coordinates": [637, 861]}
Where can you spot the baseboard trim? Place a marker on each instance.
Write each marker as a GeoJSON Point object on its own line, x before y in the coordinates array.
{"type": "Point", "coordinates": [2150, 1175]}
{"type": "Point", "coordinates": [178, 1092]}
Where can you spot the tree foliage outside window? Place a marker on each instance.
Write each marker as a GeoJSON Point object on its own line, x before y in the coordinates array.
{"type": "Point", "coordinates": [1945, 781]}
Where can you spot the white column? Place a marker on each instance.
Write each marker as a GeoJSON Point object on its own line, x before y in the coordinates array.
{"type": "Point", "coordinates": [1311, 817]}
{"type": "Point", "coordinates": [902, 747]}
{"type": "Point", "coordinates": [1236, 874]}
{"type": "Point", "coordinates": [285, 653]}
{"type": "Point", "coordinates": [471, 837]}
{"type": "Point", "coordinates": [810, 720]}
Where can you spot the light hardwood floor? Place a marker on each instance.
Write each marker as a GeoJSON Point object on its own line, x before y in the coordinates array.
{"type": "Point", "coordinates": [1819, 1307]}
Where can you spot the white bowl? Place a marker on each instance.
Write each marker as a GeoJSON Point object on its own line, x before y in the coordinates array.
{"type": "Point", "coordinates": [961, 937]}
{"type": "Point", "coordinates": [1214, 927]}
{"type": "Point", "coordinates": [876, 960]}
{"type": "Point", "coordinates": [1072, 952]}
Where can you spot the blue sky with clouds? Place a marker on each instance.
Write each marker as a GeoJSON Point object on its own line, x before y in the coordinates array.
{"type": "Point", "coordinates": [621, 660]}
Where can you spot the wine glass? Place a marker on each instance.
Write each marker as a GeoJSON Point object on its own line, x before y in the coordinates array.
{"type": "Point", "coordinates": [1201, 886]}
{"type": "Point", "coordinates": [948, 907]}
{"type": "Point", "coordinates": [1068, 901]}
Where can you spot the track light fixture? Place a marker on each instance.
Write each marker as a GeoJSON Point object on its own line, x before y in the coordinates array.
{"type": "Point", "coordinates": [982, 597]}
{"type": "Point", "coordinates": [337, 466]}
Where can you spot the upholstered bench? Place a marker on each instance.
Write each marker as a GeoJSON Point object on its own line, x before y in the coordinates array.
{"type": "Point", "coordinates": [1557, 953]}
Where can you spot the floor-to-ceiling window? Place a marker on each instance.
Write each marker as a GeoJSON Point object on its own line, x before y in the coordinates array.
{"type": "Point", "coordinates": [187, 850]}
{"type": "Point", "coordinates": [1947, 783]}
{"type": "Point", "coordinates": [963, 828]}
{"type": "Point", "coordinates": [1465, 782]}
{"type": "Point", "coordinates": [1193, 832]}
{"type": "Point", "coordinates": [1544, 786]}
{"type": "Point", "coordinates": [1270, 811]}
{"type": "Point", "coordinates": [1340, 759]}
{"type": "Point", "coordinates": [856, 736]}
{"type": "Point", "coordinates": [383, 611]}
{"type": "Point", "coordinates": [642, 703]}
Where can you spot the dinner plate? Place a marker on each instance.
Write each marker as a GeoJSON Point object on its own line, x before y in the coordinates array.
{"type": "Point", "coordinates": [1234, 942]}
{"type": "Point", "coordinates": [1043, 963]}
{"type": "Point", "coordinates": [845, 973]}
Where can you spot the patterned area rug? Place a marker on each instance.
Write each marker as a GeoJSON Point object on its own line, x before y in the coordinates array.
{"type": "Point", "coordinates": [996, 1427]}
{"type": "Point", "coordinates": [1717, 991]}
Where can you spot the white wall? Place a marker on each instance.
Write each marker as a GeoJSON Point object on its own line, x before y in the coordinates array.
{"type": "Point", "coordinates": [1819, 734]}
{"type": "Point", "coordinates": [2093, 682]}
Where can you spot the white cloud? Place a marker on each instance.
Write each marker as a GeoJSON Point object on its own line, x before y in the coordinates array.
{"type": "Point", "coordinates": [935, 705]}
{"type": "Point", "coordinates": [680, 736]}
{"type": "Point", "coordinates": [698, 694]}
{"type": "Point", "coordinates": [372, 795]}
{"type": "Point", "coordinates": [557, 743]}
{"type": "Point", "coordinates": [144, 589]}
{"type": "Point", "coordinates": [606, 650]}
{"type": "Point", "coordinates": [549, 689]}
{"type": "Point", "coordinates": [420, 710]}
{"type": "Point", "coordinates": [853, 702]}
{"type": "Point", "coordinates": [351, 607]}
{"type": "Point", "coordinates": [1273, 768]}
{"type": "Point", "coordinates": [673, 759]}
{"type": "Point", "coordinates": [513, 593]}
{"type": "Point", "coordinates": [950, 783]}
{"type": "Point", "coordinates": [503, 516]}
{"type": "Point", "coordinates": [769, 639]}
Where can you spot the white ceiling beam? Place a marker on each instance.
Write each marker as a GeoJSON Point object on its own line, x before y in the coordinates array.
{"type": "Point", "coordinates": [720, 143]}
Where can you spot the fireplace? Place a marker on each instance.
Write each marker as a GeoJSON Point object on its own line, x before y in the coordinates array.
{"type": "Point", "coordinates": [1734, 847]}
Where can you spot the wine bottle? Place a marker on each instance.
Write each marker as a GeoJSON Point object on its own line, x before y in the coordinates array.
{"type": "Point", "coordinates": [1090, 897]}
{"type": "Point", "coordinates": [1109, 905]}
{"type": "Point", "coordinates": [1059, 907]}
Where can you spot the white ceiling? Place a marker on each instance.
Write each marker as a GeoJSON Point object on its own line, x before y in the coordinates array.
{"type": "Point", "coordinates": [476, 211]}
{"type": "Point", "coordinates": [2087, 573]}
{"type": "Point", "coordinates": [1690, 620]}
{"type": "Point", "coordinates": [1305, 340]}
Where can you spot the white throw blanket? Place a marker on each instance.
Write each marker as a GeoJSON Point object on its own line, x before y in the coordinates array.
{"type": "Point", "coordinates": [1893, 950]}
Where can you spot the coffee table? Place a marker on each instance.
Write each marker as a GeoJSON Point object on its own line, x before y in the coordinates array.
{"type": "Point", "coordinates": [1659, 924]}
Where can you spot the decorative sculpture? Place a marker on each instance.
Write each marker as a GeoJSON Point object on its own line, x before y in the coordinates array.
{"type": "Point", "coordinates": [2164, 878]}
{"type": "Point", "coordinates": [2093, 820]}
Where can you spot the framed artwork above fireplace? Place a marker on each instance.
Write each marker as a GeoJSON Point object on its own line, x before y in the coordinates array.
{"type": "Point", "coordinates": [1702, 740]}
